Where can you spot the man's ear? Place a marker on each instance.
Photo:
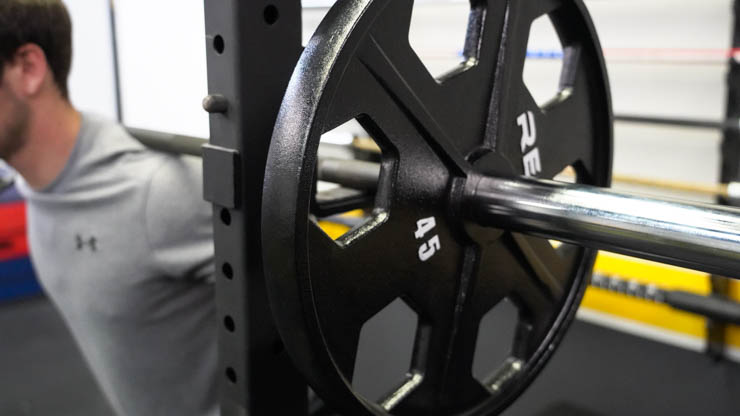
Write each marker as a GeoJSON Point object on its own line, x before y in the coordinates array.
{"type": "Point", "coordinates": [34, 69]}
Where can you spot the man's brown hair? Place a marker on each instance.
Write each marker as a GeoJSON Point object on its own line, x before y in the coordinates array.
{"type": "Point", "coordinates": [45, 23]}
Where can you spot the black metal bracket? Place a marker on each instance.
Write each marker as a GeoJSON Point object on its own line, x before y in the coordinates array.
{"type": "Point", "coordinates": [223, 183]}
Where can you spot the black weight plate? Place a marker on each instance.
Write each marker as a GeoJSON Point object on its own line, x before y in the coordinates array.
{"type": "Point", "coordinates": [359, 64]}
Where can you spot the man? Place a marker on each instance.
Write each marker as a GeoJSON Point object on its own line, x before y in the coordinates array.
{"type": "Point", "coordinates": [120, 237]}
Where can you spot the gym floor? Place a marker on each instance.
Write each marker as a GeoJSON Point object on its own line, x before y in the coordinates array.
{"type": "Point", "coordinates": [595, 372]}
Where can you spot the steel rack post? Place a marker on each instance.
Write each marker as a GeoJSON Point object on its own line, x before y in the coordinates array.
{"type": "Point", "coordinates": [252, 48]}
{"type": "Point", "coordinates": [730, 172]}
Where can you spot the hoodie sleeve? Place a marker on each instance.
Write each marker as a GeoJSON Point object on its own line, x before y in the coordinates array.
{"type": "Point", "coordinates": [178, 220]}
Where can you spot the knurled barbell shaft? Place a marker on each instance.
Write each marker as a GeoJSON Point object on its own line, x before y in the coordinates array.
{"type": "Point", "coordinates": [192, 146]}
{"type": "Point", "coordinates": [357, 174]}
{"type": "Point", "coordinates": [697, 236]}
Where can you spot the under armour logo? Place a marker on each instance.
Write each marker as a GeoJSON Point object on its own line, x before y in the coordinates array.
{"type": "Point", "coordinates": [92, 242]}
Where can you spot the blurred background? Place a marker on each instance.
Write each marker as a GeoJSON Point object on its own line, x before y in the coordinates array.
{"type": "Point", "coordinates": [143, 63]}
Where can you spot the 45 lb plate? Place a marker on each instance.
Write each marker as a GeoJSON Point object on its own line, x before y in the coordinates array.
{"type": "Point", "coordinates": [415, 244]}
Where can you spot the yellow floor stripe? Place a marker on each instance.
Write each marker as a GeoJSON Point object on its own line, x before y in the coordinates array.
{"type": "Point", "coordinates": [663, 276]}
{"type": "Point", "coordinates": [644, 311]}
{"type": "Point", "coordinates": [733, 332]}
{"type": "Point", "coordinates": [336, 230]}
{"type": "Point", "coordinates": [332, 229]}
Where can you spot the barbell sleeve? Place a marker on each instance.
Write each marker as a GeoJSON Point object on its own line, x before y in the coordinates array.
{"type": "Point", "coordinates": [697, 236]}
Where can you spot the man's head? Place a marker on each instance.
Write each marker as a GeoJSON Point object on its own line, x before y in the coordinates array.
{"type": "Point", "coordinates": [35, 60]}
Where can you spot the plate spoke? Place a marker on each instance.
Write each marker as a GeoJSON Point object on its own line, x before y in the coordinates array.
{"type": "Point", "coordinates": [444, 356]}
{"type": "Point", "coordinates": [537, 311]}
{"type": "Point", "coordinates": [342, 283]}
{"type": "Point", "coordinates": [409, 84]}
{"type": "Point", "coordinates": [544, 263]}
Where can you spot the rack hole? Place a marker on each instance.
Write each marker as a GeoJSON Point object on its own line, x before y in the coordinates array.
{"type": "Point", "coordinates": [271, 14]}
{"type": "Point", "coordinates": [231, 375]}
{"type": "Point", "coordinates": [225, 216]}
{"type": "Point", "coordinates": [229, 324]}
{"type": "Point", "coordinates": [218, 44]}
{"type": "Point", "coordinates": [228, 271]}
{"type": "Point", "coordinates": [278, 347]}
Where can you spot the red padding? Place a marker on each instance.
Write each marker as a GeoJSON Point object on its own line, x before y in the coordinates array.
{"type": "Point", "coordinates": [13, 241]}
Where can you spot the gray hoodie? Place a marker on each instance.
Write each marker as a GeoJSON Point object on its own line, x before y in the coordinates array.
{"type": "Point", "coordinates": [122, 243]}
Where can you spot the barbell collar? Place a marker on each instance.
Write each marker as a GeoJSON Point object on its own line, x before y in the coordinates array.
{"type": "Point", "coordinates": [697, 236]}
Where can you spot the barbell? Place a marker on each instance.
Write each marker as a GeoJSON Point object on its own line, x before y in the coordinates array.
{"type": "Point", "coordinates": [461, 206]}
{"type": "Point", "coordinates": [679, 245]}
{"type": "Point", "coordinates": [348, 172]}
{"type": "Point", "coordinates": [687, 235]}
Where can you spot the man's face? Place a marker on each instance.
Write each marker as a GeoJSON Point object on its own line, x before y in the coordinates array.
{"type": "Point", "coordinates": [14, 116]}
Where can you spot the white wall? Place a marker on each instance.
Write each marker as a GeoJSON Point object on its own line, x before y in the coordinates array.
{"type": "Point", "coordinates": [163, 65]}
{"type": "Point", "coordinates": [665, 57]}
{"type": "Point", "coordinates": [91, 82]}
